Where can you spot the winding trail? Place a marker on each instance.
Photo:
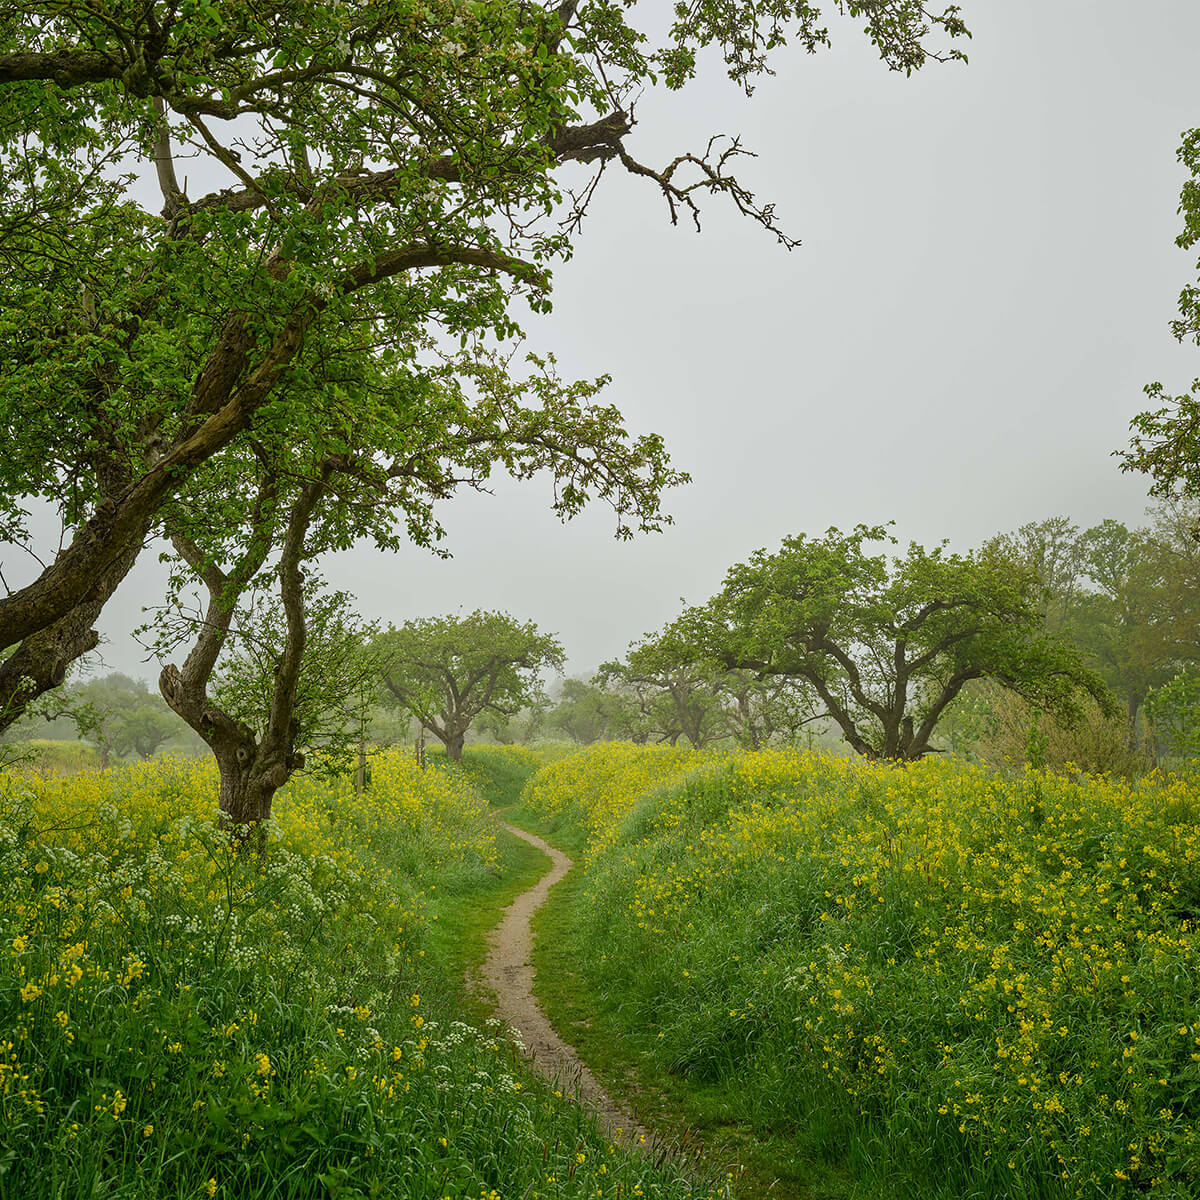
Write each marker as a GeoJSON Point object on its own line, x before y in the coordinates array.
{"type": "Point", "coordinates": [508, 972]}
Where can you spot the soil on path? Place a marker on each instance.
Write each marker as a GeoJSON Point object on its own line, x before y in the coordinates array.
{"type": "Point", "coordinates": [508, 971]}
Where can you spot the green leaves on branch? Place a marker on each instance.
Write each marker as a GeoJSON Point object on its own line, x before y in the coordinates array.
{"type": "Point", "coordinates": [886, 643]}
{"type": "Point", "coordinates": [447, 671]}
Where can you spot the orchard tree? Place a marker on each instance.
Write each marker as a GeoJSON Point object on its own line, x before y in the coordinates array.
{"type": "Point", "coordinates": [335, 175]}
{"type": "Point", "coordinates": [761, 711]}
{"type": "Point", "coordinates": [680, 698]}
{"type": "Point", "coordinates": [886, 644]}
{"type": "Point", "coordinates": [583, 711]}
{"type": "Point", "coordinates": [683, 693]}
{"type": "Point", "coordinates": [447, 671]}
{"type": "Point", "coordinates": [117, 715]}
{"type": "Point", "coordinates": [411, 439]}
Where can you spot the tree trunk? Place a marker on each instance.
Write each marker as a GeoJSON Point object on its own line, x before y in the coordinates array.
{"type": "Point", "coordinates": [245, 794]}
{"type": "Point", "coordinates": [41, 662]}
{"type": "Point", "coordinates": [1133, 704]}
{"type": "Point", "coordinates": [250, 772]}
{"type": "Point", "coordinates": [454, 745]}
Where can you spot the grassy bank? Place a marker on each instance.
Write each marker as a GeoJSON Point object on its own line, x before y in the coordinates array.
{"type": "Point", "coordinates": [958, 985]}
{"type": "Point", "coordinates": [175, 1022]}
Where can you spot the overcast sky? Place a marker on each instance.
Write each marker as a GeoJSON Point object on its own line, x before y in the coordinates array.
{"type": "Point", "coordinates": [984, 283]}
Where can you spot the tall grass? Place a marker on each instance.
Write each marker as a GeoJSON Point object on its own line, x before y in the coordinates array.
{"type": "Point", "coordinates": [975, 986]}
{"type": "Point", "coordinates": [177, 1022]}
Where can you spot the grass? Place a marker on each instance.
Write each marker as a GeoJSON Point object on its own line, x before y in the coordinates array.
{"type": "Point", "coordinates": [176, 1022]}
{"type": "Point", "coordinates": [458, 931]}
{"type": "Point", "coordinates": [965, 985]}
{"type": "Point", "coordinates": [699, 1117]}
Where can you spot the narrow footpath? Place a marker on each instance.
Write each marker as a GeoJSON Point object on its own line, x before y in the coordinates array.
{"type": "Point", "coordinates": [508, 972]}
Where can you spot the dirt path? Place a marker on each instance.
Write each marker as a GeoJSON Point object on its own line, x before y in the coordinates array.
{"type": "Point", "coordinates": [508, 971]}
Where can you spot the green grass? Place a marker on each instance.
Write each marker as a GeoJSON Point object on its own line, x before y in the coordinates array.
{"type": "Point", "coordinates": [684, 1111]}
{"type": "Point", "coordinates": [458, 930]}
{"type": "Point", "coordinates": [498, 772]}
{"type": "Point", "coordinates": [701, 1118]}
{"type": "Point", "coordinates": [956, 984]}
{"type": "Point", "coordinates": [178, 1023]}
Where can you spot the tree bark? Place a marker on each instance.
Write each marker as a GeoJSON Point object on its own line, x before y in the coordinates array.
{"type": "Point", "coordinates": [454, 745]}
{"type": "Point", "coordinates": [41, 661]}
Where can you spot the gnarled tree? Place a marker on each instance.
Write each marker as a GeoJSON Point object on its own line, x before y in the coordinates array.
{"type": "Point", "coordinates": [375, 469]}
{"type": "Point", "coordinates": [887, 644]}
{"type": "Point", "coordinates": [446, 671]}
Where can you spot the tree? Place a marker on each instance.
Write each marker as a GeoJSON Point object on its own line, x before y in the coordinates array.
{"type": "Point", "coordinates": [1166, 439]}
{"type": "Point", "coordinates": [279, 699]}
{"type": "Point", "coordinates": [1127, 624]}
{"type": "Point", "coordinates": [888, 644]}
{"type": "Point", "coordinates": [761, 711]}
{"type": "Point", "coordinates": [446, 671]}
{"type": "Point", "coordinates": [682, 693]}
{"type": "Point", "coordinates": [117, 715]}
{"type": "Point", "coordinates": [1127, 598]}
{"type": "Point", "coordinates": [678, 698]}
{"type": "Point", "coordinates": [362, 181]}
{"type": "Point", "coordinates": [1174, 711]}
{"type": "Point", "coordinates": [584, 712]}
{"type": "Point", "coordinates": [1052, 550]}
{"type": "Point", "coordinates": [411, 440]}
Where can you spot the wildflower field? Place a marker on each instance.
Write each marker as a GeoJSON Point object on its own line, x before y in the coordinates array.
{"type": "Point", "coordinates": [958, 983]}
{"type": "Point", "coordinates": [176, 1021]}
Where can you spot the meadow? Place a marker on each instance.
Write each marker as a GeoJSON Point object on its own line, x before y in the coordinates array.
{"type": "Point", "coordinates": [953, 982]}
{"type": "Point", "coordinates": [178, 1021]}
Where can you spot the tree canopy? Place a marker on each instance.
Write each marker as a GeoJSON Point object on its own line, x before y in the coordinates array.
{"type": "Point", "coordinates": [888, 643]}
{"type": "Point", "coordinates": [446, 671]}
{"type": "Point", "coordinates": [344, 190]}
{"type": "Point", "coordinates": [1126, 597]}
{"type": "Point", "coordinates": [670, 692]}
{"type": "Point", "coordinates": [1166, 438]}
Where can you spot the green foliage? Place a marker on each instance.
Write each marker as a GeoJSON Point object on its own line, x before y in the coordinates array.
{"type": "Point", "coordinates": [1174, 712]}
{"type": "Point", "coordinates": [118, 715]}
{"type": "Point", "coordinates": [988, 724]}
{"type": "Point", "coordinates": [389, 180]}
{"type": "Point", "coordinates": [886, 644]}
{"type": "Point", "coordinates": [1166, 437]}
{"type": "Point", "coordinates": [179, 1022]}
{"type": "Point", "coordinates": [584, 712]}
{"type": "Point", "coordinates": [446, 671]}
{"type": "Point", "coordinates": [962, 985]}
{"type": "Point", "coordinates": [337, 676]}
{"type": "Point", "coordinates": [500, 772]}
{"type": "Point", "coordinates": [1126, 597]}
{"type": "Point", "coordinates": [669, 690]}
{"type": "Point", "coordinates": [51, 756]}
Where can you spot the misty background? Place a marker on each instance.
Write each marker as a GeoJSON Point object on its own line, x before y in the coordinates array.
{"type": "Point", "coordinates": [984, 283]}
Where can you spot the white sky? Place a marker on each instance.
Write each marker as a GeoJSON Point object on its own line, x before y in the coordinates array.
{"type": "Point", "coordinates": [986, 276]}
